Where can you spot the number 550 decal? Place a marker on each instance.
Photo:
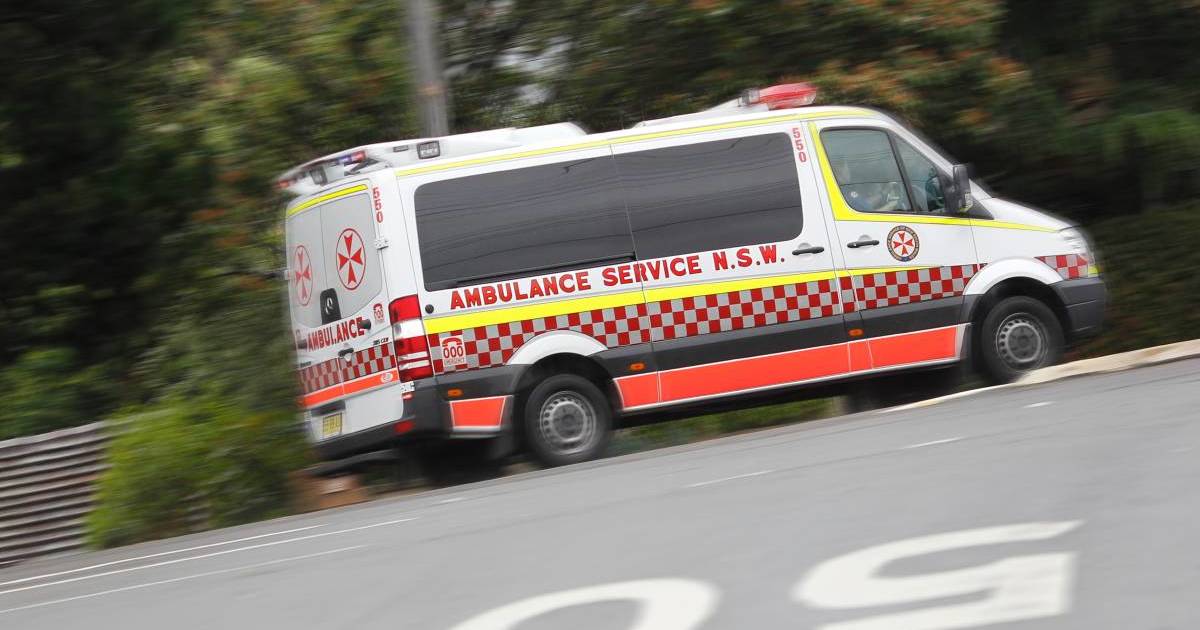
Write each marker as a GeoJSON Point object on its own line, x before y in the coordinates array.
{"type": "Point", "coordinates": [1017, 588]}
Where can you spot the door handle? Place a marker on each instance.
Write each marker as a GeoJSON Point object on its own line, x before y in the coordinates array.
{"type": "Point", "coordinates": [345, 353]}
{"type": "Point", "coordinates": [807, 249]}
{"type": "Point", "coordinates": [862, 242]}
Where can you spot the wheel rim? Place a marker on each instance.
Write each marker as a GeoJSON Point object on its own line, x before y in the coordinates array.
{"type": "Point", "coordinates": [1021, 341]}
{"type": "Point", "coordinates": [567, 422]}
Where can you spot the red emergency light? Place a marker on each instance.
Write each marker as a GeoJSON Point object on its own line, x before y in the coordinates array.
{"type": "Point", "coordinates": [782, 96]}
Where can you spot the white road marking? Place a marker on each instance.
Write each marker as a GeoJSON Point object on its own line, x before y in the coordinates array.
{"type": "Point", "coordinates": [179, 579]}
{"type": "Point", "coordinates": [1039, 404]}
{"type": "Point", "coordinates": [206, 555]}
{"type": "Point", "coordinates": [934, 442]}
{"type": "Point", "coordinates": [724, 479]}
{"type": "Point", "coordinates": [157, 555]}
{"type": "Point", "coordinates": [1015, 588]}
{"type": "Point", "coordinates": [451, 500]}
{"type": "Point", "coordinates": [664, 604]}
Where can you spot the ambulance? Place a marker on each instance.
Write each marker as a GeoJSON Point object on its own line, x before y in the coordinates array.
{"type": "Point", "coordinates": [541, 287]}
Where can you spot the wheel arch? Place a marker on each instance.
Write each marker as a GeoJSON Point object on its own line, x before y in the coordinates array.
{"type": "Point", "coordinates": [563, 363]}
{"type": "Point", "coordinates": [1012, 286]}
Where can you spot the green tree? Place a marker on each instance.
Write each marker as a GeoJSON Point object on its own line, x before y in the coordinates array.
{"type": "Point", "coordinates": [259, 87]}
{"type": "Point", "coordinates": [88, 198]}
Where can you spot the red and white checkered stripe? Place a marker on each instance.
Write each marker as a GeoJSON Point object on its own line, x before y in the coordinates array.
{"type": "Point", "coordinates": [337, 370]}
{"type": "Point", "coordinates": [488, 346]}
{"type": "Point", "coordinates": [893, 288]}
{"type": "Point", "coordinates": [1069, 266]}
{"type": "Point", "coordinates": [366, 362]}
{"type": "Point", "coordinates": [324, 374]}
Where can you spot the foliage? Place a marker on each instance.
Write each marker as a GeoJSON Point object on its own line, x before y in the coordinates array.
{"type": "Point", "coordinates": [183, 466]}
{"type": "Point", "coordinates": [1096, 119]}
{"type": "Point", "coordinates": [1149, 264]}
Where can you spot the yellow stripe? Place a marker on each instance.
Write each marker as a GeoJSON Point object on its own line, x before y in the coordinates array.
{"type": "Point", "coordinates": [327, 197]}
{"type": "Point", "coordinates": [867, 271]}
{"type": "Point", "coordinates": [843, 212]}
{"type": "Point", "coordinates": [491, 159]}
{"type": "Point", "coordinates": [510, 314]}
{"type": "Point", "coordinates": [1005, 225]}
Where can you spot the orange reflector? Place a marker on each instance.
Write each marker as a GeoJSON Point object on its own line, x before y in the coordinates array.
{"type": "Point", "coordinates": [453, 392]}
{"type": "Point", "coordinates": [404, 426]}
{"type": "Point", "coordinates": [856, 332]}
{"type": "Point", "coordinates": [637, 367]}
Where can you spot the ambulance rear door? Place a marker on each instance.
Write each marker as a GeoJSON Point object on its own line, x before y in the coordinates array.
{"type": "Point", "coordinates": [338, 297]}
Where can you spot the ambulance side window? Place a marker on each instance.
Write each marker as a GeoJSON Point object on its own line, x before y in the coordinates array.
{"type": "Point", "coordinates": [924, 179]}
{"type": "Point", "coordinates": [712, 195]}
{"type": "Point", "coordinates": [521, 222]}
{"type": "Point", "coordinates": [866, 170]}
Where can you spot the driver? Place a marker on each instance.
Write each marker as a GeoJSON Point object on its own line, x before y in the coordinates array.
{"type": "Point", "coordinates": [867, 196]}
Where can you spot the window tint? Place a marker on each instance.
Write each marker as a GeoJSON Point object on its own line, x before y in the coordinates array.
{"type": "Point", "coordinates": [712, 195]}
{"type": "Point", "coordinates": [924, 181]}
{"type": "Point", "coordinates": [521, 222]}
{"type": "Point", "coordinates": [866, 170]}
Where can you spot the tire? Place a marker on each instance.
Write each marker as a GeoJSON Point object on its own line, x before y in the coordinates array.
{"type": "Point", "coordinates": [567, 420]}
{"type": "Point", "coordinates": [1018, 335]}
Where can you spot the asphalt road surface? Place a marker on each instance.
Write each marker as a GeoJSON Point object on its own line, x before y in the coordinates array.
{"type": "Point", "coordinates": [1067, 505]}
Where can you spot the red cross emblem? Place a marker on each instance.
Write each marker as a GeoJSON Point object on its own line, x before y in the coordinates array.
{"type": "Point", "coordinates": [351, 259]}
{"type": "Point", "coordinates": [302, 275]}
{"type": "Point", "coordinates": [903, 243]}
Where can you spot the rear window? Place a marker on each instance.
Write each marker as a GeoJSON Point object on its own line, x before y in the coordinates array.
{"type": "Point", "coordinates": [712, 195]}
{"type": "Point", "coordinates": [521, 222]}
{"type": "Point", "coordinates": [333, 267]}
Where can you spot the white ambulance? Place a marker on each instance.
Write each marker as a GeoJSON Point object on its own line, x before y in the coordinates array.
{"type": "Point", "coordinates": [544, 286]}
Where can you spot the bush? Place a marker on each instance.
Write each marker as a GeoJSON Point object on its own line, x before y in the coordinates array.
{"type": "Point", "coordinates": [186, 466]}
{"type": "Point", "coordinates": [48, 389]}
{"type": "Point", "coordinates": [1149, 261]}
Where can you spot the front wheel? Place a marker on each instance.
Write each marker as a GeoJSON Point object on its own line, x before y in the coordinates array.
{"type": "Point", "coordinates": [1019, 335]}
{"type": "Point", "coordinates": [567, 420]}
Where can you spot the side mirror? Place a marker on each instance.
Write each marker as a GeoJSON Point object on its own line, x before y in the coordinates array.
{"type": "Point", "coordinates": [960, 199]}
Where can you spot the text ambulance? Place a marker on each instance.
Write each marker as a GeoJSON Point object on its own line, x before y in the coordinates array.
{"type": "Point", "coordinates": [544, 285]}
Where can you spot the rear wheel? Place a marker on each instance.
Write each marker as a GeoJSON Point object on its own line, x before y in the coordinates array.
{"type": "Point", "coordinates": [1019, 335]}
{"type": "Point", "coordinates": [567, 420]}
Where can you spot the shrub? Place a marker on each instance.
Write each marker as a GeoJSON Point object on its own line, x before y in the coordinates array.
{"type": "Point", "coordinates": [186, 466]}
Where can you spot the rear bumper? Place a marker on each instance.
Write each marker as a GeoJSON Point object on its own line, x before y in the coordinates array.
{"type": "Point", "coordinates": [423, 410]}
{"type": "Point", "coordinates": [433, 417]}
{"type": "Point", "coordinates": [1084, 300]}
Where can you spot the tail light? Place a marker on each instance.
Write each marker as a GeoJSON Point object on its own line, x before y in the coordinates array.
{"type": "Point", "coordinates": [412, 350]}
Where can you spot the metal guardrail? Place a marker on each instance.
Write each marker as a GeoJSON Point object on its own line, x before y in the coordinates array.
{"type": "Point", "coordinates": [46, 490]}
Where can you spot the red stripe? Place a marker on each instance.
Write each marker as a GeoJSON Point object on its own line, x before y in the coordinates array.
{"type": "Point", "coordinates": [478, 413]}
{"type": "Point", "coordinates": [754, 372]}
{"type": "Point", "coordinates": [638, 390]}
{"type": "Point", "coordinates": [322, 396]}
{"type": "Point", "coordinates": [351, 387]}
{"type": "Point", "coordinates": [788, 368]}
{"type": "Point", "coordinates": [860, 356]}
{"type": "Point", "coordinates": [918, 347]}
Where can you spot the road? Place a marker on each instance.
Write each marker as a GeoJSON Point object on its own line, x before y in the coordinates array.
{"type": "Point", "coordinates": [1066, 505]}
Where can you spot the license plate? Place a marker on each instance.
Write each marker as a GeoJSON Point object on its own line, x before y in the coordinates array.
{"type": "Point", "coordinates": [331, 425]}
